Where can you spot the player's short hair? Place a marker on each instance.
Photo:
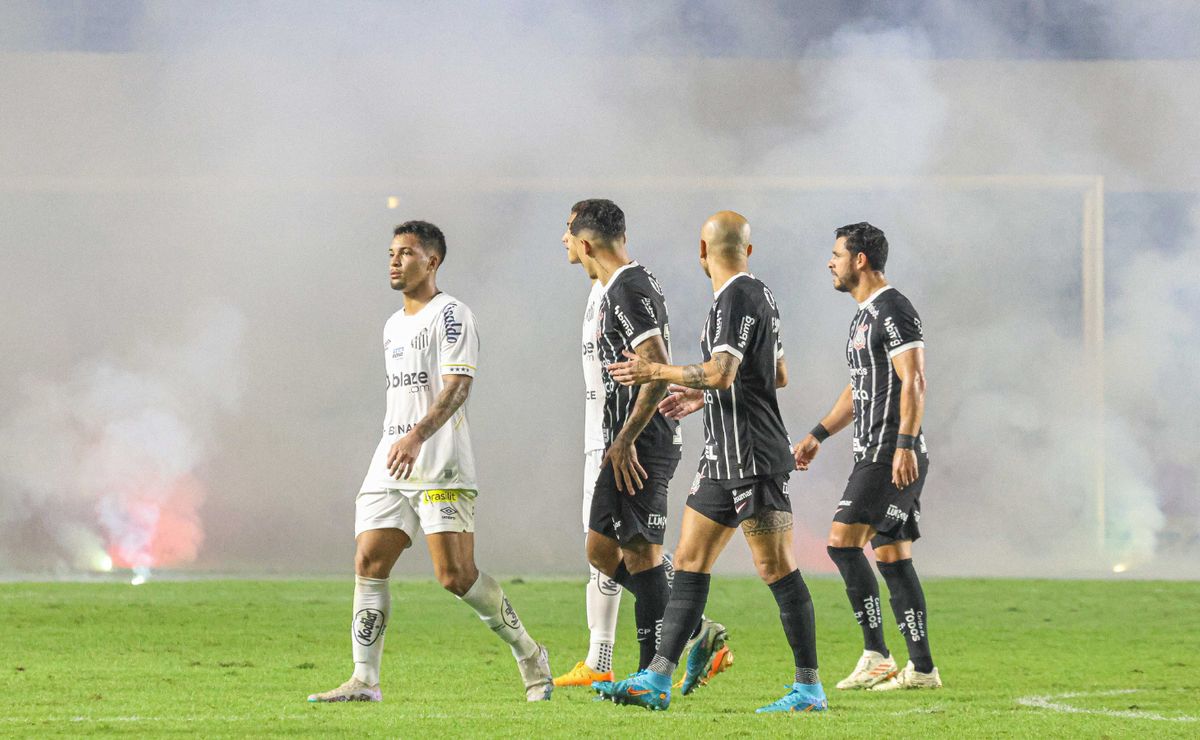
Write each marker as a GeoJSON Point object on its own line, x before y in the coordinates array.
{"type": "Point", "coordinates": [603, 217]}
{"type": "Point", "coordinates": [863, 238]}
{"type": "Point", "coordinates": [430, 236]}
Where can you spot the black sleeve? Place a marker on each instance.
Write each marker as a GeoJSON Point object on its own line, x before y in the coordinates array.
{"type": "Point", "coordinates": [901, 327]}
{"type": "Point", "coordinates": [636, 314]}
{"type": "Point", "coordinates": [737, 322]}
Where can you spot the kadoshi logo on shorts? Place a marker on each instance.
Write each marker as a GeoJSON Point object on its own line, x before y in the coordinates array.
{"type": "Point", "coordinates": [368, 626]}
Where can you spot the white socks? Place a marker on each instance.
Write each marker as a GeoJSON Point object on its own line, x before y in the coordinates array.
{"type": "Point", "coordinates": [603, 605]}
{"type": "Point", "coordinates": [372, 606]}
{"type": "Point", "coordinates": [489, 602]}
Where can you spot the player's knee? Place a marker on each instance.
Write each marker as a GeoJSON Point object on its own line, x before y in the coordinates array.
{"type": "Point", "coordinates": [457, 579]}
{"type": "Point", "coordinates": [368, 566]}
{"type": "Point", "coordinates": [772, 567]}
{"type": "Point", "coordinates": [603, 559]}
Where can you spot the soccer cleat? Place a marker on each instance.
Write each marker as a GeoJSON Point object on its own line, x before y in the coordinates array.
{"type": "Point", "coordinates": [911, 678]}
{"type": "Point", "coordinates": [872, 669]}
{"type": "Point", "coordinates": [644, 689]}
{"type": "Point", "coordinates": [802, 697]}
{"type": "Point", "coordinates": [582, 675]}
{"type": "Point", "coordinates": [707, 655]}
{"type": "Point", "coordinates": [535, 672]}
{"type": "Point", "coordinates": [352, 690]}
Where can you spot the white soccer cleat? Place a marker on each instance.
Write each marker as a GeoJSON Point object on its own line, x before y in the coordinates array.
{"type": "Point", "coordinates": [872, 670]}
{"type": "Point", "coordinates": [911, 678]}
{"type": "Point", "coordinates": [535, 672]}
{"type": "Point", "coordinates": [352, 690]}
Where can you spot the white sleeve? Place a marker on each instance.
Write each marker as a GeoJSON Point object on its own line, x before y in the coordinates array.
{"type": "Point", "coordinates": [458, 341]}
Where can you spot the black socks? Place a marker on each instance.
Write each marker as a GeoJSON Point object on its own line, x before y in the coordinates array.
{"type": "Point", "coordinates": [908, 604]}
{"type": "Point", "coordinates": [796, 613]}
{"type": "Point", "coordinates": [683, 612]}
{"type": "Point", "coordinates": [651, 592]}
{"type": "Point", "coordinates": [863, 590]}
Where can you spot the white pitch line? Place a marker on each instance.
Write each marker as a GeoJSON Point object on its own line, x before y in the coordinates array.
{"type": "Point", "coordinates": [1049, 702]}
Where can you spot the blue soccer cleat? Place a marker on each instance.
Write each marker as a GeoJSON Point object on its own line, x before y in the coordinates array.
{"type": "Point", "coordinates": [708, 656]}
{"type": "Point", "coordinates": [644, 689]}
{"type": "Point", "coordinates": [803, 697]}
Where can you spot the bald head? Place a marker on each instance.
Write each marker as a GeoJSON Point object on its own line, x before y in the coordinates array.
{"type": "Point", "coordinates": [727, 235]}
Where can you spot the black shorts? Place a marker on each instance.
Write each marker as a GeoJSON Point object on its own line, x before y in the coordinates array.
{"type": "Point", "coordinates": [872, 498]}
{"type": "Point", "coordinates": [624, 518]}
{"type": "Point", "coordinates": [731, 502]}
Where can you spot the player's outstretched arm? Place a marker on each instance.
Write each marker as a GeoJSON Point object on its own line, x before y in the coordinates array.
{"type": "Point", "coordinates": [838, 418]}
{"type": "Point", "coordinates": [403, 454]}
{"type": "Point", "coordinates": [627, 470]}
{"type": "Point", "coordinates": [910, 367]}
{"type": "Point", "coordinates": [716, 374]}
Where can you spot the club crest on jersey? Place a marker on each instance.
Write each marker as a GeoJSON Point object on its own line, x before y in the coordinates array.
{"type": "Point", "coordinates": [860, 336]}
{"type": "Point", "coordinates": [421, 341]}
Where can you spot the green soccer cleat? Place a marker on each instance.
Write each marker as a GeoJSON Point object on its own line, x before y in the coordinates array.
{"type": "Point", "coordinates": [708, 655]}
{"type": "Point", "coordinates": [644, 689]}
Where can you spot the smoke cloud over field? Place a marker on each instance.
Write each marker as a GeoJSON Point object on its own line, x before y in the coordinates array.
{"type": "Point", "coordinates": [194, 217]}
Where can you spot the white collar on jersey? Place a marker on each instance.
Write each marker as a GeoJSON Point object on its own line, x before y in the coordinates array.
{"type": "Point", "coordinates": [727, 282]}
{"type": "Point", "coordinates": [618, 271]}
{"type": "Point", "coordinates": [872, 297]}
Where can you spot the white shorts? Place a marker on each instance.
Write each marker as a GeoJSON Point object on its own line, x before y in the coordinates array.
{"type": "Point", "coordinates": [591, 471]}
{"type": "Point", "coordinates": [436, 511]}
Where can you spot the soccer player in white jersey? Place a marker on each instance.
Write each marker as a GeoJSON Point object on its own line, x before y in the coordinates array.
{"type": "Point", "coordinates": [707, 652]}
{"type": "Point", "coordinates": [423, 472]}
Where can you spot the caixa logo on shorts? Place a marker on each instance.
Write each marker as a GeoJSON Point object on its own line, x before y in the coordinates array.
{"type": "Point", "coordinates": [368, 626]}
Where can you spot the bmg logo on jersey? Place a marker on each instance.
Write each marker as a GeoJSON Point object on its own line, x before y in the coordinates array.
{"type": "Point", "coordinates": [625, 325]}
{"type": "Point", "coordinates": [450, 326]}
{"type": "Point", "coordinates": [744, 331]}
{"type": "Point", "coordinates": [893, 333]}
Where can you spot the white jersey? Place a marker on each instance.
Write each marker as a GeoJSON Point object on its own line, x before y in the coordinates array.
{"type": "Point", "coordinates": [593, 377]}
{"type": "Point", "coordinates": [418, 350]}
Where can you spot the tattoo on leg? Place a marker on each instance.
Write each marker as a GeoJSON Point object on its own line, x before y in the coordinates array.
{"type": "Point", "coordinates": [769, 522]}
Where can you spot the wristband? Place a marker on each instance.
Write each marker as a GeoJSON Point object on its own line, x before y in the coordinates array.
{"type": "Point", "coordinates": [905, 441]}
{"type": "Point", "coordinates": [820, 433]}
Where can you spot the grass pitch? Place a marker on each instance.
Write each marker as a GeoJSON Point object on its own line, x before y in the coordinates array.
{"type": "Point", "coordinates": [237, 658]}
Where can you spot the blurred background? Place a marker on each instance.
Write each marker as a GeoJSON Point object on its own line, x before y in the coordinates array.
{"type": "Point", "coordinates": [196, 201]}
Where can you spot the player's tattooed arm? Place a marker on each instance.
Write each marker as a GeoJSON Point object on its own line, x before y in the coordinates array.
{"type": "Point", "coordinates": [769, 522]}
{"type": "Point", "coordinates": [716, 374]}
{"type": "Point", "coordinates": [403, 453]}
{"type": "Point", "coordinates": [622, 453]}
{"type": "Point", "coordinates": [910, 367]}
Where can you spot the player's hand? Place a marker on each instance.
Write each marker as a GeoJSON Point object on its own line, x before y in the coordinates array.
{"type": "Point", "coordinates": [805, 450]}
{"type": "Point", "coordinates": [403, 455]}
{"type": "Point", "coordinates": [681, 401]}
{"type": "Point", "coordinates": [627, 471]}
{"type": "Point", "coordinates": [634, 372]}
{"type": "Point", "coordinates": [904, 468]}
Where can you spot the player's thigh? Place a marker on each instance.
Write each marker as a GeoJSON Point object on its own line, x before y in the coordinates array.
{"type": "Point", "coordinates": [604, 552]}
{"type": "Point", "coordinates": [701, 542]}
{"type": "Point", "coordinates": [769, 536]}
{"type": "Point", "coordinates": [453, 556]}
{"type": "Point", "coordinates": [640, 554]}
{"type": "Point", "coordinates": [850, 535]}
{"type": "Point", "coordinates": [377, 550]}
{"type": "Point", "coordinates": [894, 551]}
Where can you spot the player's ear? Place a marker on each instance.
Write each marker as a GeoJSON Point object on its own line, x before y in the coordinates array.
{"type": "Point", "coordinates": [749, 249]}
{"type": "Point", "coordinates": [703, 249]}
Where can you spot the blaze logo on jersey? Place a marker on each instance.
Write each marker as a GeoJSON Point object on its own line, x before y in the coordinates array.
{"type": "Point", "coordinates": [421, 341]}
{"type": "Point", "coordinates": [860, 336]}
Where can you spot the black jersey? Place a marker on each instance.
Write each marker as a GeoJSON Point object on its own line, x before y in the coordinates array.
{"type": "Point", "coordinates": [744, 435]}
{"type": "Point", "coordinates": [632, 310]}
{"type": "Point", "coordinates": [886, 325]}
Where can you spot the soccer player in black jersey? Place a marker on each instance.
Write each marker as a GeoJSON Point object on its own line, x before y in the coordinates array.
{"type": "Point", "coordinates": [642, 446]}
{"type": "Point", "coordinates": [743, 472]}
{"type": "Point", "coordinates": [882, 503]}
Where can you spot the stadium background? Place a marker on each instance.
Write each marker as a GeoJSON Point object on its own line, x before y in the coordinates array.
{"type": "Point", "coordinates": [196, 202]}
